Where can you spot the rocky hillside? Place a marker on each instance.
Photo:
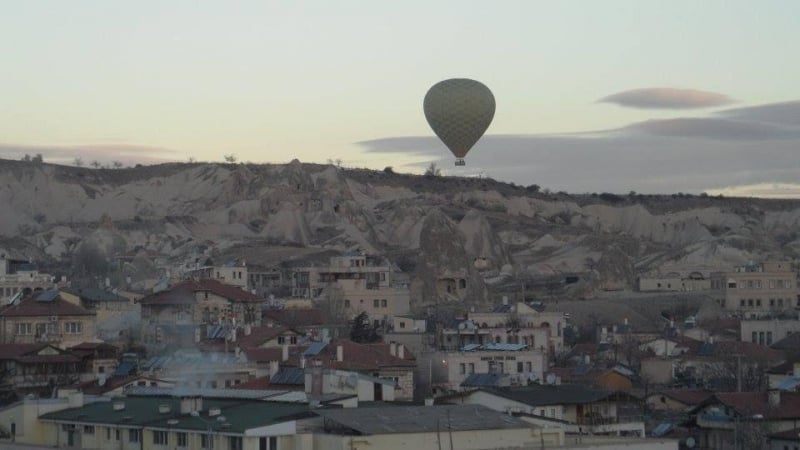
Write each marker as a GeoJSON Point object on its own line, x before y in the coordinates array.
{"type": "Point", "coordinates": [434, 225]}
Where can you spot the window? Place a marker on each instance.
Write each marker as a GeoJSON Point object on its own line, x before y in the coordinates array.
{"type": "Point", "coordinates": [182, 440]}
{"type": "Point", "coordinates": [281, 340]}
{"type": "Point", "coordinates": [462, 368]}
{"type": "Point", "coordinates": [520, 367]}
{"type": "Point", "coordinates": [134, 435]}
{"type": "Point", "coordinates": [347, 303]}
{"type": "Point", "coordinates": [376, 303]}
{"type": "Point", "coordinates": [235, 443]}
{"type": "Point", "coordinates": [160, 438]}
{"type": "Point", "coordinates": [750, 302]}
{"type": "Point", "coordinates": [772, 284]}
{"type": "Point", "coordinates": [769, 337]}
{"type": "Point", "coordinates": [741, 303]}
{"type": "Point", "coordinates": [528, 367]}
{"type": "Point", "coordinates": [293, 339]}
{"type": "Point", "coordinates": [88, 429]}
{"type": "Point", "coordinates": [755, 337]}
{"type": "Point", "coordinates": [383, 303]}
{"type": "Point", "coordinates": [471, 367]}
{"type": "Point", "coordinates": [73, 327]}
{"type": "Point", "coordinates": [772, 302]}
{"type": "Point", "coordinates": [758, 302]}
{"type": "Point", "coordinates": [501, 367]}
{"type": "Point", "coordinates": [205, 441]}
{"type": "Point", "coordinates": [117, 434]}
{"type": "Point", "coordinates": [24, 328]}
{"type": "Point", "coordinates": [402, 324]}
{"type": "Point", "coordinates": [268, 443]}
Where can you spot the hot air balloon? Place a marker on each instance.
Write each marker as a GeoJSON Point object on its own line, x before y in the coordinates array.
{"type": "Point", "coordinates": [459, 111]}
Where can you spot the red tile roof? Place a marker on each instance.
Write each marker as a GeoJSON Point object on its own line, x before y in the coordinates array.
{"type": "Point", "coordinates": [296, 317]}
{"type": "Point", "coordinates": [255, 354]}
{"type": "Point", "coordinates": [363, 357]}
{"type": "Point", "coordinates": [29, 306]}
{"type": "Point", "coordinates": [29, 354]}
{"type": "Point", "coordinates": [260, 335]}
{"type": "Point", "coordinates": [687, 397]}
{"type": "Point", "coordinates": [753, 403]}
{"type": "Point", "coordinates": [11, 351]}
{"type": "Point", "coordinates": [183, 293]}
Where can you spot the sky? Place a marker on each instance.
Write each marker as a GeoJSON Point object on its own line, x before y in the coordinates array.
{"type": "Point", "coordinates": [651, 96]}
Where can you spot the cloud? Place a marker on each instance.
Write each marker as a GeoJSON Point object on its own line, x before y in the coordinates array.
{"type": "Point", "coordinates": [658, 156]}
{"type": "Point", "coordinates": [667, 98]}
{"type": "Point", "coordinates": [785, 113]}
{"type": "Point", "coordinates": [104, 154]}
{"type": "Point", "coordinates": [714, 128]}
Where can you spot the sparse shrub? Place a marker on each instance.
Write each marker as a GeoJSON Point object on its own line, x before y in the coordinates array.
{"type": "Point", "coordinates": [389, 170]}
{"type": "Point", "coordinates": [433, 171]}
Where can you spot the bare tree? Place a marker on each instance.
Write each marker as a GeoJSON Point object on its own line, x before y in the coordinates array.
{"type": "Point", "coordinates": [433, 171]}
{"type": "Point", "coordinates": [78, 161]}
{"type": "Point", "coordinates": [230, 158]}
{"type": "Point", "coordinates": [96, 164]}
{"type": "Point", "coordinates": [192, 160]}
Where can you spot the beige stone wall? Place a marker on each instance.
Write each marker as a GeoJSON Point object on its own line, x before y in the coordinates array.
{"type": "Point", "coordinates": [62, 334]}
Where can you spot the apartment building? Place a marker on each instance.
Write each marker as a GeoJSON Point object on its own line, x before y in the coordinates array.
{"type": "Point", "coordinates": [22, 277]}
{"type": "Point", "coordinates": [358, 283]}
{"type": "Point", "coordinates": [756, 289]}
{"type": "Point", "coordinates": [45, 317]}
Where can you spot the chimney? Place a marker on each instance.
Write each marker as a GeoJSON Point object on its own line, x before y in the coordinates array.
{"type": "Point", "coordinates": [774, 398]}
{"type": "Point", "coordinates": [626, 321]}
{"type": "Point", "coordinates": [401, 351]}
{"type": "Point", "coordinates": [285, 352]}
{"type": "Point", "coordinates": [191, 404]}
{"type": "Point", "coordinates": [197, 335]}
{"type": "Point", "coordinates": [75, 400]}
{"type": "Point", "coordinates": [393, 348]}
{"type": "Point", "coordinates": [316, 380]}
{"type": "Point", "coordinates": [302, 362]}
{"type": "Point", "coordinates": [339, 353]}
{"type": "Point", "coordinates": [429, 401]}
{"type": "Point", "coordinates": [505, 300]}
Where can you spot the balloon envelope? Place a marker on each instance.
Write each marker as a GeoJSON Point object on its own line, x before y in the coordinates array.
{"type": "Point", "coordinates": [459, 111]}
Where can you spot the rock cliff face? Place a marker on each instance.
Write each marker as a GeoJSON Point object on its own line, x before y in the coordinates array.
{"type": "Point", "coordinates": [477, 227]}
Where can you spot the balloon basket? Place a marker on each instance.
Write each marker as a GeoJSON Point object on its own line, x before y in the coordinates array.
{"type": "Point", "coordinates": [460, 162]}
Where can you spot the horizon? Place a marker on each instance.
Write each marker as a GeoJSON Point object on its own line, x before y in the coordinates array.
{"type": "Point", "coordinates": [618, 96]}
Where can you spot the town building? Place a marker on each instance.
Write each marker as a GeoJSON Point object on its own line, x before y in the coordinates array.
{"type": "Point", "coordinates": [674, 282]}
{"type": "Point", "coordinates": [20, 277]}
{"type": "Point", "coordinates": [756, 289]}
{"type": "Point", "coordinates": [448, 370]}
{"type": "Point", "coordinates": [181, 314]}
{"type": "Point", "coordinates": [45, 317]}
{"type": "Point", "coordinates": [769, 330]}
{"type": "Point", "coordinates": [355, 283]}
{"type": "Point", "coordinates": [734, 420]}
{"type": "Point", "coordinates": [572, 408]}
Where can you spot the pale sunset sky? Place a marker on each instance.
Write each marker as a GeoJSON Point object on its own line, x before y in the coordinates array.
{"type": "Point", "coordinates": [652, 96]}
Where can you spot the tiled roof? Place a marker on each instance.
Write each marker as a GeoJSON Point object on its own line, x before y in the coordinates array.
{"type": "Point", "coordinates": [183, 293]}
{"type": "Point", "coordinates": [296, 317]}
{"type": "Point", "coordinates": [260, 335]}
{"type": "Point", "coordinates": [790, 342]}
{"type": "Point", "coordinates": [754, 403]}
{"type": "Point", "coordinates": [360, 357]}
{"type": "Point", "coordinates": [686, 396]}
{"type": "Point", "coordinates": [11, 351]}
{"type": "Point", "coordinates": [257, 354]}
{"type": "Point", "coordinates": [90, 294]}
{"type": "Point", "coordinates": [746, 349]}
{"type": "Point", "coordinates": [564, 394]}
{"type": "Point", "coordinates": [788, 435]}
{"type": "Point", "coordinates": [29, 306]}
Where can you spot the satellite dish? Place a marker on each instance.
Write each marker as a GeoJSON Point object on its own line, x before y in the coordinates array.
{"type": "Point", "coordinates": [690, 442]}
{"type": "Point", "coordinates": [352, 380]}
{"type": "Point", "coordinates": [551, 378]}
